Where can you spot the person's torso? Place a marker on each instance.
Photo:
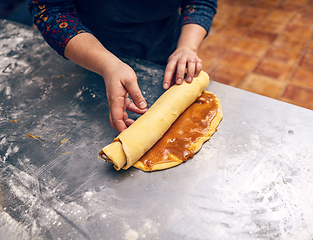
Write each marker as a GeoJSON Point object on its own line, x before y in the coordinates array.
{"type": "Point", "coordinates": [141, 29]}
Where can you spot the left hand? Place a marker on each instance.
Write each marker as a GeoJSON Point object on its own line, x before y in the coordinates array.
{"type": "Point", "coordinates": [183, 60]}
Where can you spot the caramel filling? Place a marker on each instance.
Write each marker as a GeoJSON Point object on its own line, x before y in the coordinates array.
{"type": "Point", "coordinates": [178, 141]}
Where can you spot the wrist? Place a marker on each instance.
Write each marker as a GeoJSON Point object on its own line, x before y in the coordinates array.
{"type": "Point", "coordinates": [109, 65]}
{"type": "Point", "coordinates": [191, 37]}
{"type": "Point", "coordinates": [187, 48]}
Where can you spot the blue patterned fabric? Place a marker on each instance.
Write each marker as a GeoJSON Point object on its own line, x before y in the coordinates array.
{"type": "Point", "coordinates": [142, 29]}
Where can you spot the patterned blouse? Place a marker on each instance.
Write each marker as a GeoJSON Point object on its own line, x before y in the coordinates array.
{"type": "Point", "coordinates": [60, 20]}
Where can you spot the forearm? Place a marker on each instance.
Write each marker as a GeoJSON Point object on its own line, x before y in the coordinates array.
{"type": "Point", "coordinates": [185, 56]}
{"type": "Point", "coordinates": [120, 79]}
{"type": "Point", "coordinates": [191, 36]}
{"type": "Point", "coordinates": [57, 21]}
{"type": "Point", "coordinates": [85, 50]}
{"type": "Point", "coordinates": [199, 12]}
{"type": "Point", "coordinates": [196, 20]}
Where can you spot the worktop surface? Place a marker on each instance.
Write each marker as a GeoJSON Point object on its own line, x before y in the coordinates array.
{"type": "Point", "coordinates": [252, 180]}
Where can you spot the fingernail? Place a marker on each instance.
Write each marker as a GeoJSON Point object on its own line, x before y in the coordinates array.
{"type": "Point", "coordinates": [179, 81]}
{"type": "Point", "coordinates": [165, 86]}
{"type": "Point", "coordinates": [189, 79]}
{"type": "Point", "coordinates": [142, 105]}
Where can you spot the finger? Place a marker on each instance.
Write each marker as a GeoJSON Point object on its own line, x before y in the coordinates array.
{"type": "Point", "coordinates": [173, 80]}
{"type": "Point", "coordinates": [180, 70]}
{"type": "Point", "coordinates": [128, 121]}
{"type": "Point", "coordinates": [117, 114]}
{"type": "Point", "coordinates": [118, 127]}
{"type": "Point", "coordinates": [169, 74]}
{"type": "Point", "coordinates": [125, 116]}
{"type": "Point", "coordinates": [135, 93]}
{"type": "Point", "coordinates": [191, 68]}
{"type": "Point", "coordinates": [118, 124]}
{"type": "Point", "coordinates": [133, 108]}
{"type": "Point", "coordinates": [126, 102]}
{"type": "Point", "coordinates": [198, 67]}
{"type": "Point", "coordinates": [128, 105]}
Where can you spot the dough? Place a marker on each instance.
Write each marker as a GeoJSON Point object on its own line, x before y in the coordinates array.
{"type": "Point", "coordinates": [130, 145]}
{"type": "Point", "coordinates": [186, 136]}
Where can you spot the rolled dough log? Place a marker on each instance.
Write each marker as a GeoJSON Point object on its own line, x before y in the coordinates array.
{"type": "Point", "coordinates": [130, 145]}
{"type": "Point", "coordinates": [186, 136]}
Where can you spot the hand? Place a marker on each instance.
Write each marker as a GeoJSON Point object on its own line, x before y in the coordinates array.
{"type": "Point", "coordinates": [121, 81]}
{"type": "Point", "coordinates": [182, 60]}
{"type": "Point", "coordinates": [185, 56]}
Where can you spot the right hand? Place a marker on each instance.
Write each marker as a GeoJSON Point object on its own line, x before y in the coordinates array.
{"type": "Point", "coordinates": [121, 81]}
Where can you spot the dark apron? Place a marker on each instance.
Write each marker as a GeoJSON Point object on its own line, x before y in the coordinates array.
{"type": "Point", "coordinates": [147, 30]}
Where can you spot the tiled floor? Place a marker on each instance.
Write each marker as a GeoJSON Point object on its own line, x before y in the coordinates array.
{"type": "Point", "coordinates": [263, 46]}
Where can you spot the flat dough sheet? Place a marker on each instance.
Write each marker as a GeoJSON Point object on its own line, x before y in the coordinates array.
{"type": "Point", "coordinates": [186, 136]}
{"type": "Point", "coordinates": [130, 145]}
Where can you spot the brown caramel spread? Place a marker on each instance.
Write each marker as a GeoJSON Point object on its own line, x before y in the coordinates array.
{"type": "Point", "coordinates": [190, 126]}
{"type": "Point", "coordinates": [101, 154]}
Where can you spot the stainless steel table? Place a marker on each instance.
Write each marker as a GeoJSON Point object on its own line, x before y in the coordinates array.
{"type": "Point", "coordinates": [252, 180]}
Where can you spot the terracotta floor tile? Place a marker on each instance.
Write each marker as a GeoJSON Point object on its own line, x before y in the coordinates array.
{"type": "Point", "coordinates": [262, 85]}
{"type": "Point", "coordinates": [251, 47]}
{"type": "Point", "coordinates": [289, 7]}
{"type": "Point", "coordinates": [303, 76]}
{"type": "Point", "coordinates": [297, 2]}
{"type": "Point", "coordinates": [288, 41]}
{"type": "Point", "coordinates": [262, 36]}
{"type": "Point", "coordinates": [299, 95]}
{"type": "Point", "coordinates": [274, 69]}
{"type": "Point", "coordinates": [255, 44]}
{"type": "Point", "coordinates": [239, 60]}
{"type": "Point", "coordinates": [224, 2]}
{"type": "Point", "coordinates": [281, 54]}
{"type": "Point", "coordinates": [307, 10]}
{"type": "Point", "coordinates": [240, 3]}
{"type": "Point", "coordinates": [227, 75]}
{"type": "Point", "coordinates": [220, 40]}
{"type": "Point", "coordinates": [298, 30]}
{"type": "Point", "coordinates": [242, 22]}
{"type": "Point", "coordinates": [254, 13]}
{"type": "Point", "coordinates": [280, 16]}
{"type": "Point", "coordinates": [310, 47]}
{"type": "Point", "coordinates": [304, 17]}
{"type": "Point", "coordinates": [211, 53]}
{"type": "Point", "coordinates": [300, 21]}
{"type": "Point", "coordinates": [267, 4]}
{"type": "Point", "coordinates": [226, 12]}
{"type": "Point", "coordinates": [206, 64]}
{"type": "Point", "coordinates": [238, 26]}
{"type": "Point", "coordinates": [275, 22]}
{"type": "Point", "coordinates": [307, 61]}
{"type": "Point", "coordinates": [222, 15]}
{"type": "Point", "coordinates": [217, 25]}
{"type": "Point", "coordinates": [271, 26]}
{"type": "Point", "coordinates": [234, 31]}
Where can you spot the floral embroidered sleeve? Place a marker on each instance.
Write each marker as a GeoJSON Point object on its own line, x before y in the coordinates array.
{"type": "Point", "coordinates": [199, 12]}
{"type": "Point", "coordinates": [57, 21]}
